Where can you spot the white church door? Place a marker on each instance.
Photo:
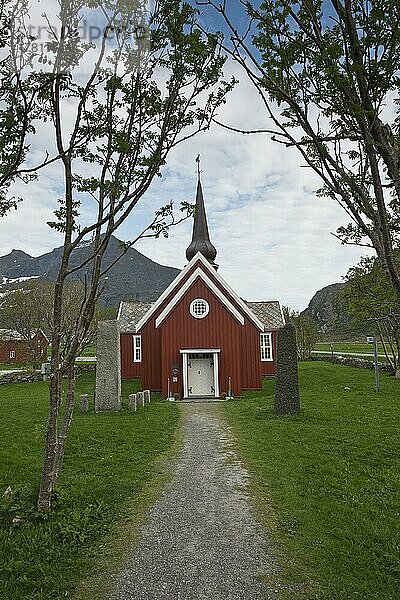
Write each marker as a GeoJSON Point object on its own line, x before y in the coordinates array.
{"type": "Point", "coordinates": [201, 375]}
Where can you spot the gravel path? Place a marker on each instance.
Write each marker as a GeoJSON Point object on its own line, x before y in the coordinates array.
{"type": "Point", "coordinates": [201, 540]}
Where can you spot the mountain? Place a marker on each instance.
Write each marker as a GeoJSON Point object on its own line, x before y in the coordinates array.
{"type": "Point", "coordinates": [133, 277]}
{"type": "Point", "coordinates": [327, 310]}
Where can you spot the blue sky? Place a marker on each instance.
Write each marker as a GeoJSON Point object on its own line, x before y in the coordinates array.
{"type": "Point", "coordinates": [272, 233]}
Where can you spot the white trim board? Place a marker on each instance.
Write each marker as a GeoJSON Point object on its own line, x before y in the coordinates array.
{"type": "Point", "coordinates": [181, 276]}
{"type": "Point", "coordinates": [199, 274]}
{"type": "Point", "coordinates": [119, 310]}
{"type": "Point", "coordinates": [200, 350]}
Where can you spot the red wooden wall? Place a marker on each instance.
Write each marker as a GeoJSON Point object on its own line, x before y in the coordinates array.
{"type": "Point", "coordinates": [219, 329]}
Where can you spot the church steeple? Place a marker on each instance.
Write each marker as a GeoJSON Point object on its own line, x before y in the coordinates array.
{"type": "Point", "coordinates": [200, 237]}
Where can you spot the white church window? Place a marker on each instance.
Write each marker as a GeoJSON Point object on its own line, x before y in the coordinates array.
{"type": "Point", "coordinates": [137, 348]}
{"type": "Point", "coordinates": [266, 346]}
{"type": "Point", "coordinates": [199, 308]}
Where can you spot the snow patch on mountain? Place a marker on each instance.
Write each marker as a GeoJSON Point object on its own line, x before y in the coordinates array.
{"type": "Point", "coordinates": [7, 280]}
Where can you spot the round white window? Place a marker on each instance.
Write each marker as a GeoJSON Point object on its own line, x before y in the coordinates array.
{"type": "Point", "coordinates": [199, 308]}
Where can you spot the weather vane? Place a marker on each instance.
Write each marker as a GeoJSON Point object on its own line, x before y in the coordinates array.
{"type": "Point", "coordinates": [199, 171]}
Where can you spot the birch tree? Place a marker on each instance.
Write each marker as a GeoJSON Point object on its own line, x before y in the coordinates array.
{"type": "Point", "coordinates": [369, 299]}
{"type": "Point", "coordinates": [327, 73]}
{"type": "Point", "coordinates": [154, 82]}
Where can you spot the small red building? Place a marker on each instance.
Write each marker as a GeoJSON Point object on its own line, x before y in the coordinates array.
{"type": "Point", "coordinates": [199, 339]}
{"type": "Point", "coordinates": [14, 348]}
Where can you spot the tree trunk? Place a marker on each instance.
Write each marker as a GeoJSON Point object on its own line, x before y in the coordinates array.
{"type": "Point", "coordinates": [67, 419]}
{"type": "Point", "coordinates": [50, 452]}
{"type": "Point", "coordinates": [384, 336]}
{"type": "Point", "coordinates": [397, 373]}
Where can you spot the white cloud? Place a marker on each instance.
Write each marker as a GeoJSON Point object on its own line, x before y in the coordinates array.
{"type": "Point", "coordinates": [271, 232]}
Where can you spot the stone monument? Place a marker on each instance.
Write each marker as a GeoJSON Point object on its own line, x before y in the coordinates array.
{"type": "Point", "coordinates": [287, 398]}
{"type": "Point", "coordinates": [108, 368]}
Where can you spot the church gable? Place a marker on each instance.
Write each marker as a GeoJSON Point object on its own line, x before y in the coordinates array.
{"type": "Point", "coordinates": [199, 267]}
{"type": "Point", "coordinates": [199, 275]}
{"type": "Point", "coordinates": [200, 309]}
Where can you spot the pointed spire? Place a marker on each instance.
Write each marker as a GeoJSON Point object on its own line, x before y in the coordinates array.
{"type": "Point", "coordinates": [200, 237]}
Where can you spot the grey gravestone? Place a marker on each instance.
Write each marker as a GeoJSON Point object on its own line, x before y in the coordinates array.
{"type": "Point", "coordinates": [108, 368]}
{"type": "Point", "coordinates": [140, 398]}
{"type": "Point", "coordinates": [287, 399]}
{"type": "Point", "coordinates": [83, 403]}
{"type": "Point", "coordinates": [132, 404]}
{"type": "Point", "coordinates": [147, 396]}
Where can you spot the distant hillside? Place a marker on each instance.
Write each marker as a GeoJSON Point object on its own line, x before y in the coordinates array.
{"type": "Point", "coordinates": [134, 277]}
{"type": "Point", "coordinates": [326, 309]}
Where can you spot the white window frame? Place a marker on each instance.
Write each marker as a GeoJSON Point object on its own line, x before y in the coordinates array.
{"type": "Point", "coordinates": [137, 348]}
{"type": "Point", "coordinates": [12, 353]}
{"type": "Point", "coordinates": [193, 305]}
{"type": "Point", "coordinates": [266, 347]}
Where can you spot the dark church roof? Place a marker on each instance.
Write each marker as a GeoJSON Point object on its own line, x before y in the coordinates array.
{"type": "Point", "coordinates": [201, 237]}
{"type": "Point", "coordinates": [130, 313]}
{"type": "Point", "coordinates": [268, 312]}
{"type": "Point", "coordinates": [9, 335]}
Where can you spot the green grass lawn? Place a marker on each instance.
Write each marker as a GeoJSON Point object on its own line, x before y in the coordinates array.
{"type": "Point", "coordinates": [110, 458]}
{"type": "Point", "coordinates": [89, 351]}
{"type": "Point", "coordinates": [10, 366]}
{"type": "Point", "coordinates": [361, 348]}
{"type": "Point", "coordinates": [328, 481]}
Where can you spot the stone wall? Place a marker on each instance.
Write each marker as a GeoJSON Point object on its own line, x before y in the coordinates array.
{"type": "Point", "coordinates": [29, 377]}
{"type": "Point", "coordinates": [352, 361]}
{"type": "Point", "coordinates": [85, 368]}
{"type": "Point", "coordinates": [24, 377]}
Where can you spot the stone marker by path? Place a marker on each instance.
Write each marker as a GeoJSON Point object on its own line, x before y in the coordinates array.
{"type": "Point", "coordinates": [84, 403]}
{"type": "Point", "coordinates": [108, 369]}
{"type": "Point", "coordinates": [287, 399]}
{"type": "Point", "coordinates": [132, 404]}
{"type": "Point", "coordinates": [140, 398]}
{"type": "Point", "coordinates": [147, 396]}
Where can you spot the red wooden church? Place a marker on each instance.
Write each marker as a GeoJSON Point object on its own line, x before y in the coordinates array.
{"type": "Point", "coordinates": [199, 339]}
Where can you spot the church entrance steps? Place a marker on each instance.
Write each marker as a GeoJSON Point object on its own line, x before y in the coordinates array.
{"type": "Point", "coordinates": [203, 399]}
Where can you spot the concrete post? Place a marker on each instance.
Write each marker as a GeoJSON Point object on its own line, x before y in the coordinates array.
{"type": "Point", "coordinates": [108, 369]}
{"type": "Point", "coordinates": [83, 403]}
{"type": "Point", "coordinates": [140, 398]}
{"type": "Point", "coordinates": [132, 404]}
